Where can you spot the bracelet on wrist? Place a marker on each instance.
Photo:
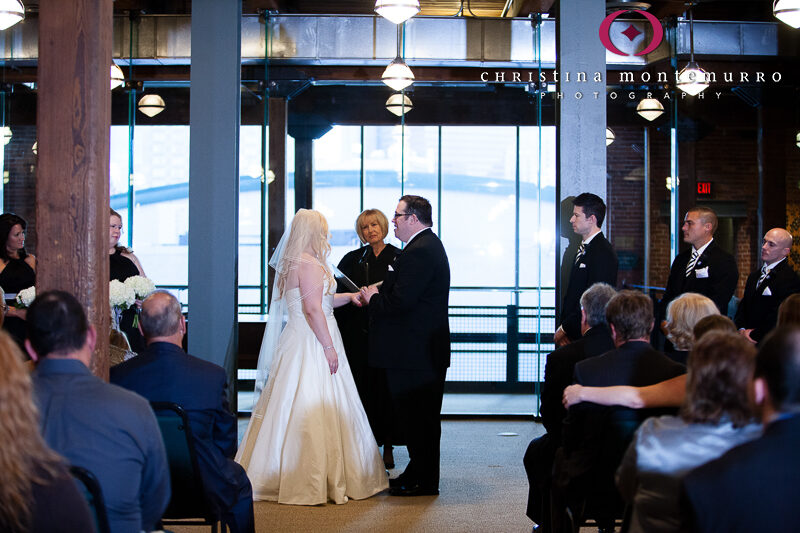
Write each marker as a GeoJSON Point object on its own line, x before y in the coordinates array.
{"type": "Point", "coordinates": [327, 347]}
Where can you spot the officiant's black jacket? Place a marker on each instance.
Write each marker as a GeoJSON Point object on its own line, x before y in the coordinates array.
{"type": "Point", "coordinates": [759, 311]}
{"type": "Point", "coordinates": [408, 317]}
{"type": "Point", "coordinates": [598, 264]}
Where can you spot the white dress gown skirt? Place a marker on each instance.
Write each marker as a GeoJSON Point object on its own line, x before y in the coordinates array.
{"type": "Point", "coordinates": [309, 441]}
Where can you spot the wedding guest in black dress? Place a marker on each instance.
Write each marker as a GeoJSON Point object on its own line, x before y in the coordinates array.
{"type": "Point", "coordinates": [366, 266]}
{"type": "Point", "coordinates": [17, 271]}
{"type": "Point", "coordinates": [122, 265]}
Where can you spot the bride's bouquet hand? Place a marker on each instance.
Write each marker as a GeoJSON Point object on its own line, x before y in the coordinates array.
{"type": "Point", "coordinates": [332, 357]}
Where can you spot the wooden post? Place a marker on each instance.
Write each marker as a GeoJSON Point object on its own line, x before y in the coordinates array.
{"type": "Point", "coordinates": [276, 191]}
{"type": "Point", "coordinates": [74, 117]}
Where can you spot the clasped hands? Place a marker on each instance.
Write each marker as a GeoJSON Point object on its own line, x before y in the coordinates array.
{"type": "Point", "coordinates": [362, 297]}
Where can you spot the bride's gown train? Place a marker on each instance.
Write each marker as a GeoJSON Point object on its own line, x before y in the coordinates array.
{"type": "Point", "coordinates": [309, 441]}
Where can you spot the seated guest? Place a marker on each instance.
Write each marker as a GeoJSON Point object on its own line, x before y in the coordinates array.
{"type": "Point", "coordinates": [753, 487]}
{"type": "Point", "coordinates": [37, 492]}
{"type": "Point", "coordinates": [767, 287]}
{"type": "Point", "coordinates": [595, 437]}
{"type": "Point", "coordinates": [789, 311]}
{"type": "Point", "coordinates": [103, 428]}
{"type": "Point", "coordinates": [682, 314]}
{"type": "Point", "coordinates": [715, 417]}
{"type": "Point", "coordinates": [163, 372]}
{"type": "Point", "coordinates": [595, 340]}
{"type": "Point", "coordinates": [669, 393]}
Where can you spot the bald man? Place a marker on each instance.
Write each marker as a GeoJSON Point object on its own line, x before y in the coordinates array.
{"type": "Point", "coordinates": [767, 287]}
{"type": "Point", "coordinates": [163, 372]}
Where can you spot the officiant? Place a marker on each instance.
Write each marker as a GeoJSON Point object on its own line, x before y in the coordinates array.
{"type": "Point", "coordinates": [368, 265]}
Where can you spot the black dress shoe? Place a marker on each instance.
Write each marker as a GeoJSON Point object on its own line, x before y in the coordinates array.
{"type": "Point", "coordinates": [398, 482]}
{"type": "Point", "coordinates": [413, 490]}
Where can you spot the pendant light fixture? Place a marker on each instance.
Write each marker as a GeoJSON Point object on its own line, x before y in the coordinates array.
{"type": "Point", "coordinates": [117, 77]}
{"type": "Point", "coordinates": [692, 79]}
{"type": "Point", "coordinates": [7, 135]}
{"type": "Point", "coordinates": [397, 11]}
{"type": "Point", "coordinates": [797, 139]}
{"type": "Point", "coordinates": [398, 75]}
{"type": "Point", "coordinates": [650, 109]}
{"type": "Point", "coordinates": [610, 136]}
{"type": "Point", "coordinates": [11, 12]}
{"type": "Point", "coordinates": [151, 105]}
{"type": "Point", "coordinates": [399, 104]}
{"type": "Point", "coordinates": [787, 11]}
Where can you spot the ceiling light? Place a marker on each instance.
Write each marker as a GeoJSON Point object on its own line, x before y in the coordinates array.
{"type": "Point", "coordinates": [35, 147]}
{"type": "Point", "coordinates": [399, 104]}
{"type": "Point", "coordinates": [650, 109]}
{"type": "Point", "coordinates": [397, 11]}
{"type": "Point", "coordinates": [7, 135]}
{"type": "Point", "coordinates": [11, 12]}
{"type": "Point", "coordinates": [787, 11]}
{"type": "Point", "coordinates": [610, 136]}
{"type": "Point", "coordinates": [692, 79]}
{"type": "Point", "coordinates": [797, 140]}
{"type": "Point", "coordinates": [397, 75]}
{"type": "Point", "coordinates": [117, 77]}
{"type": "Point", "coordinates": [151, 105]}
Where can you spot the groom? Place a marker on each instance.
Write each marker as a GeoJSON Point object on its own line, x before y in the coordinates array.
{"type": "Point", "coordinates": [410, 337]}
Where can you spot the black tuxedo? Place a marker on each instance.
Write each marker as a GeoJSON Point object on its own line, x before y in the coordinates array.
{"type": "Point", "coordinates": [163, 372]}
{"type": "Point", "coordinates": [599, 263]}
{"type": "Point", "coordinates": [719, 285]}
{"type": "Point", "coordinates": [595, 437]}
{"type": "Point", "coordinates": [753, 487]}
{"type": "Point", "coordinates": [410, 337]}
{"type": "Point", "coordinates": [759, 312]}
{"type": "Point", "coordinates": [558, 372]}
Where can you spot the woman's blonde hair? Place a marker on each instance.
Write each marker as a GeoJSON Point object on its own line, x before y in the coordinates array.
{"type": "Point", "coordinates": [25, 459]}
{"type": "Point", "coordinates": [683, 313]}
{"type": "Point", "coordinates": [379, 216]}
{"type": "Point", "coordinates": [309, 231]}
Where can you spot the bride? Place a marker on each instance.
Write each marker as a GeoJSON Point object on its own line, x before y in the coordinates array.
{"type": "Point", "coordinates": [308, 440]}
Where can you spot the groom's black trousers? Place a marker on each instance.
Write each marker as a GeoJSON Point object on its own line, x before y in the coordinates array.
{"type": "Point", "coordinates": [417, 400]}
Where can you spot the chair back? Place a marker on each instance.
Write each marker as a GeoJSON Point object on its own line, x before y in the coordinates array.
{"type": "Point", "coordinates": [188, 495]}
{"type": "Point", "coordinates": [91, 490]}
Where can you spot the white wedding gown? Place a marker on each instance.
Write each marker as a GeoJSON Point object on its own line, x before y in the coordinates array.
{"type": "Point", "coordinates": [309, 441]}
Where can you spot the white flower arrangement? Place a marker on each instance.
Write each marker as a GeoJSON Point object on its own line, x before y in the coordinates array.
{"type": "Point", "coordinates": [120, 296]}
{"type": "Point", "coordinates": [141, 286]}
{"type": "Point", "coordinates": [26, 296]}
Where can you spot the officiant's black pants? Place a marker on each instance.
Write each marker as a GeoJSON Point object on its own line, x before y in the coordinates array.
{"type": "Point", "coordinates": [417, 398]}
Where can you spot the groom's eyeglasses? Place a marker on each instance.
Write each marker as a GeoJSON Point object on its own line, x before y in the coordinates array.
{"type": "Point", "coordinates": [398, 215]}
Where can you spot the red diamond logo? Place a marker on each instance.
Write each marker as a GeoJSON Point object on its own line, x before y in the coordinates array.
{"type": "Point", "coordinates": [631, 33]}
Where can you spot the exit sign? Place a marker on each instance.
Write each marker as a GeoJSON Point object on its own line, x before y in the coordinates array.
{"type": "Point", "coordinates": [703, 188]}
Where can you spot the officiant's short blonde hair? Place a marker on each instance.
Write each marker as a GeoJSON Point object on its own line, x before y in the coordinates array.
{"type": "Point", "coordinates": [383, 222]}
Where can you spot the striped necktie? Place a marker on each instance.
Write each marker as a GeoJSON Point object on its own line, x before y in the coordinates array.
{"type": "Point", "coordinates": [692, 263]}
{"type": "Point", "coordinates": [764, 274]}
{"type": "Point", "coordinates": [581, 251]}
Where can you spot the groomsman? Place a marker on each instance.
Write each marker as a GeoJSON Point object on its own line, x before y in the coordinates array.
{"type": "Point", "coordinates": [767, 287]}
{"type": "Point", "coordinates": [594, 262]}
{"type": "Point", "coordinates": [705, 268]}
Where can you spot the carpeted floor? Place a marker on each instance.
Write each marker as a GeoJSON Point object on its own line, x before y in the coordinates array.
{"type": "Point", "coordinates": [483, 489]}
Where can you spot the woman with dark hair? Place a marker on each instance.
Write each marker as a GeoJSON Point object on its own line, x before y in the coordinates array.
{"type": "Point", "coordinates": [122, 265]}
{"type": "Point", "coordinates": [715, 417]}
{"type": "Point", "coordinates": [37, 493]}
{"type": "Point", "coordinates": [365, 266]}
{"type": "Point", "coordinates": [789, 311]}
{"type": "Point", "coordinates": [17, 271]}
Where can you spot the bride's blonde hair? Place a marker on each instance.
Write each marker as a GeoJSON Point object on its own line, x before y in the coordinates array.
{"type": "Point", "coordinates": [309, 232]}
